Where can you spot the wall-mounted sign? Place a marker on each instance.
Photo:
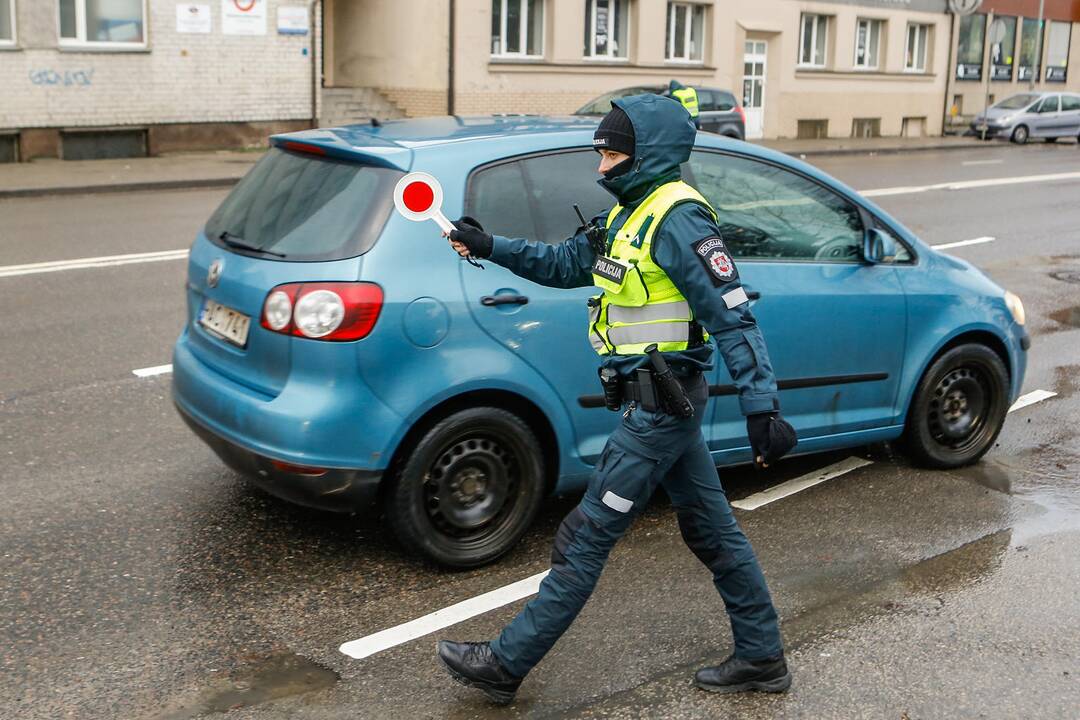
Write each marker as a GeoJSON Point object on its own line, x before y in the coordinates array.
{"type": "Point", "coordinates": [243, 17]}
{"type": "Point", "coordinates": [965, 71]}
{"type": "Point", "coordinates": [1055, 74]}
{"type": "Point", "coordinates": [192, 18]}
{"type": "Point", "coordinates": [292, 20]}
{"type": "Point", "coordinates": [964, 7]}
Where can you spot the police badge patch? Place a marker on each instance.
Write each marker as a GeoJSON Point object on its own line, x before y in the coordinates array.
{"type": "Point", "coordinates": [716, 259]}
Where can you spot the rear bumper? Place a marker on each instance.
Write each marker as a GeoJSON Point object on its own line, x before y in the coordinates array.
{"type": "Point", "coordinates": [336, 490]}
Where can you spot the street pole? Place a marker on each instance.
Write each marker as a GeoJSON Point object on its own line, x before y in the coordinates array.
{"type": "Point", "coordinates": [1038, 47]}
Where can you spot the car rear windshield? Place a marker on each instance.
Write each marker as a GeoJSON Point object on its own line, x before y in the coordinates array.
{"type": "Point", "coordinates": [1016, 102]}
{"type": "Point", "coordinates": [304, 207]}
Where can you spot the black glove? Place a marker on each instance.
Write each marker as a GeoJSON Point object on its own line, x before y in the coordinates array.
{"type": "Point", "coordinates": [771, 436]}
{"type": "Point", "coordinates": [469, 233]}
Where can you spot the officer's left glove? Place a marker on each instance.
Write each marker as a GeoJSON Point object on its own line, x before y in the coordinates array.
{"type": "Point", "coordinates": [469, 233]}
{"type": "Point", "coordinates": [771, 437]}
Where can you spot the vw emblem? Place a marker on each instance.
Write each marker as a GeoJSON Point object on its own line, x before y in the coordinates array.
{"type": "Point", "coordinates": [213, 275]}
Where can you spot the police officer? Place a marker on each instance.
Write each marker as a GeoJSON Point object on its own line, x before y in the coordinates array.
{"type": "Point", "coordinates": [666, 279]}
{"type": "Point", "coordinates": [688, 97]}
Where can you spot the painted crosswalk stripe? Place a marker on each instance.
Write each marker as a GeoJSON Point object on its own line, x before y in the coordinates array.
{"type": "Point", "coordinates": [392, 637]}
{"type": "Point", "coordinates": [970, 184]}
{"type": "Point", "coordinates": [151, 371]}
{"type": "Point", "coordinates": [1031, 398]}
{"type": "Point", "coordinates": [962, 243]}
{"type": "Point", "coordinates": [753, 502]}
{"type": "Point", "coordinates": [92, 262]}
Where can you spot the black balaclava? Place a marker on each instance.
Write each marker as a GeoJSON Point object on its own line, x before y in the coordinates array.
{"type": "Point", "coordinates": [616, 132]}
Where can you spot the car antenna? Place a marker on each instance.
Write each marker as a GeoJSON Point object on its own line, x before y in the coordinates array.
{"type": "Point", "coordinates": [375, 122]}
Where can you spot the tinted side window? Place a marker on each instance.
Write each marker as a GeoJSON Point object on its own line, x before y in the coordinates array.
{"type": "Point", "coordinates": [1070, 102]}
{"type": "Point", "coordinates": [706, 100]}
{"type": "Point", "coordinates": [1049, 105]}
{"type": "Point", "coordinates": [725, 101]}
{"type": "Point", "coordinates": [534, 197]}
{"type": "Point", "coordinates": [495, 198]}
{"type": "Point", "coordinates": [766, 212]}
{"type": "Point", "coordinates": [554, 183]}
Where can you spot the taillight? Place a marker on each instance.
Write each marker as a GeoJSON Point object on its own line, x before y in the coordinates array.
{"type": "Point", "coordinates": [738, 109]}
{"type": "Point", "coordinates": [323, 310]}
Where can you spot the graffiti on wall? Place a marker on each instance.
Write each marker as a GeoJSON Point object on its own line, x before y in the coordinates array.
{"type": "Point", "coordinates": [66, 78]}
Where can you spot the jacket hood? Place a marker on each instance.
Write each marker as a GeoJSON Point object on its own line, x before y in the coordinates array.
{"type": "Point", "coordinates": [663, 138]}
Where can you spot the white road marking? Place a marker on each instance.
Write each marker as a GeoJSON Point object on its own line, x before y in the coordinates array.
{"type": "Point", "coordinates": [753, 502]}
{"type": "Point", "coordinates": [150, 371]}
{"type": "Point", "coordinates": [93, 262]}
{"type": "Point", "coordinates": [440, 619]}
{"type": "Point", "coordinates": [962, 243]}
{"type": "Point", "coordinates": [970, 184]}
{"type": "Point", "coordinates": [982, 162]}
{"type": "Point", "coordinates": [1031, 398]}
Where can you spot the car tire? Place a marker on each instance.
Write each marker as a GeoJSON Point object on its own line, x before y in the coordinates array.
{"type": "Point", "coordinates": [958, 408]}
{"type": "Point", "coordinates": [1020, 134]}
{"type": "Point", "coordinates": [468, 489]}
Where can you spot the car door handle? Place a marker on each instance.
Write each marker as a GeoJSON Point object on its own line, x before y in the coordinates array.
{"type": "Point", "coordinates": [493, 300]}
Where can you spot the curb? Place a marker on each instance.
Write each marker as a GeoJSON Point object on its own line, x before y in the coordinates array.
{"type": "Point", "coordinates": [120, 187]}
{"type": "Point", "coordinates": [889, 150]}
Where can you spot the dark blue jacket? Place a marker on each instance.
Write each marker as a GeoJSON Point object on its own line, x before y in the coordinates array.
{"type": "Point", "coordinates": [664, 139]}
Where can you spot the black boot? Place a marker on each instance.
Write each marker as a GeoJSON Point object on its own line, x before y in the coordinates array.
{"type": "Point", "coordinates": [474, 665]}
{"type": "Point", "coordinates": [737, 675]}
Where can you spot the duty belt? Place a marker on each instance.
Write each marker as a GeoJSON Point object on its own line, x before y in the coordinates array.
{"type": "Point", "coordinates": [642, 390]}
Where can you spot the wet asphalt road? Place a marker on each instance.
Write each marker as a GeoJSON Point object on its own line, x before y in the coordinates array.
{"type": "Point", "coordinates": [141, 579]}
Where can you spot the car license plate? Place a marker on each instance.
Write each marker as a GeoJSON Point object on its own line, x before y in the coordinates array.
{"type": "Point", "coordinates": [225, 322]}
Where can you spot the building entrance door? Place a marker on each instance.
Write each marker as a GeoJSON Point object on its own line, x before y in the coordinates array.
{"type": "Point", "coordinates": [754, 87]}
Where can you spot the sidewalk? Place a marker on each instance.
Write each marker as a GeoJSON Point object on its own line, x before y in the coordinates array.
{"type": "Point", "coordinates": [223, 169]}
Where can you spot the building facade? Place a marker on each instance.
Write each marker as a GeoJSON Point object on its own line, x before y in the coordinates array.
{"type": "Point", "coordinates": [1001, 49]}
{"type": "Point", "coordinates": [93, 78]}
{"type": "Point", "coordinates": [832, 68]}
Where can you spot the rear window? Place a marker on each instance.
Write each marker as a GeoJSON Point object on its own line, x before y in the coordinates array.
{"type": "Point", "coordinates": [305, 207]}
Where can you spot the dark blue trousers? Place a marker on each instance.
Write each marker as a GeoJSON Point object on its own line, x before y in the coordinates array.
{"type": "Point", "coordinates": [647, 449]}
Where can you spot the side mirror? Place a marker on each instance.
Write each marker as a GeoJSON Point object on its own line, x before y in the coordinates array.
{"type": "Point", "coordinates": [878, 247]}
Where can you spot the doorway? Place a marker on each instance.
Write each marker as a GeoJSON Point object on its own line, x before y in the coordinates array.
{"type": "Point", "coordinates": [754, 87]}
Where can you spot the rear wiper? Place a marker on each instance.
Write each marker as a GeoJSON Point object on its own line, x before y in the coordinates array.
{"type": "Point", "coordinates": [235, 241]}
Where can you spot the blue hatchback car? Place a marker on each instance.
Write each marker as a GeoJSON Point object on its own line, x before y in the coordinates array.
{"type": "Point", "coordinates": [345, 358]}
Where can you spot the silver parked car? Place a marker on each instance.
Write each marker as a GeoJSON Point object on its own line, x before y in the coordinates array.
{"type": "Point", "coordinates": [1048, 115]}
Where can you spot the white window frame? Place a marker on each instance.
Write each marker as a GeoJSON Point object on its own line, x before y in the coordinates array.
{"type": "Point", "coordinates": [922, 54]}
{"type": "Point", "coordinates": [523, 31]}
{"type": "Point", "coordinates": [623, 9]}
{"type": "Point", "coordinates": [813, 39]}
{"type": "Point", "coordinates": [691, 8]}
{"type": "Point", "coordinates": [871, 24]}
{"type": "Point", "coordinates": [80, 40]}
{"type": "Point", "coordinates": [6, 43]}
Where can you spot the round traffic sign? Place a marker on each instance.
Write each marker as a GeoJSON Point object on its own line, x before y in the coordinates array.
{"type": "Point", "coordinates": [418, 197]}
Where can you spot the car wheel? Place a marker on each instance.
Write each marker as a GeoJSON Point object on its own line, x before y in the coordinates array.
{"type": "Point", "coordinates": [1020, 134]}
{"type": "Point", "coordinates": [958, 408]}
{"type": "Point", "coordinates": [468, 489]}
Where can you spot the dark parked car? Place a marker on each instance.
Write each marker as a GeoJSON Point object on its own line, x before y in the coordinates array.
{"type": "Point", "coordinates": [717, 109]}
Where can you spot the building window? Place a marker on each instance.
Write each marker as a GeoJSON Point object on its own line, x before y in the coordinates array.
{"type": "Point", "coordinates": [867, 44]}
{"type": "Point", "coordinates": [1028, 67]}
{"type": "Point", "coordinates": [7, 22]}
{"type": "Point", "coordinates": [1001, 53]}
{"type": "Point", "coordinates": [107, 23]}
{"type": "Point", "coordinates": [970, 50]}
{"type": "Point", "coordinates": [605, 28]}
{"type": "Point", "coordinates": [517, 28]}
{"type": "Point", "coordinates": [1057, 51]}
{"type": "Point", "coordinates": [812, 40]}
{"type": "Point", "coordinates": [916, 49]}
{"type": "Point", "coordinates": [685, 32]}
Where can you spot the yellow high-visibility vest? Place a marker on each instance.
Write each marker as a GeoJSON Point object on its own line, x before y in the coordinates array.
{"type": "Point", "coordinates": [688, 97]}
{"type": "Point", "coordinates": [640, 304]}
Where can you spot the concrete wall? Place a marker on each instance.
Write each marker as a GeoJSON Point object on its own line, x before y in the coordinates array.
{"type": "Point", "coordinates": [178, 78]}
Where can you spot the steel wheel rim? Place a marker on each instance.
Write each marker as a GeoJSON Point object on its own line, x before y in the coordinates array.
{"type": "Point", "coordinates": [959, 407]}
{"type": "Point", "coordinates": [472, 486]}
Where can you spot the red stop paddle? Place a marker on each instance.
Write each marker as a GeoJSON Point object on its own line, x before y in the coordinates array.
{"type": "Point", "coordinates": [418, 197]}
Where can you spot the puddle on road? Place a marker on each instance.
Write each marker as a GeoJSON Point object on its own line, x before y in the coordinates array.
{"type": "Point", "coordinates": [274, 677]}
{"type": "Point", "coordinates": [1066, 316]}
